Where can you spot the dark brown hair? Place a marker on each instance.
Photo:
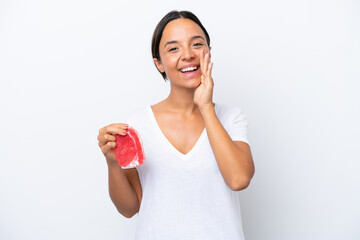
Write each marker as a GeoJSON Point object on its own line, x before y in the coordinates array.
{"type": "Point", "coordinates": [162, 24]}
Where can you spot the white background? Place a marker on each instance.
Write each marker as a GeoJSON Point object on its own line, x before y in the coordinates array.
{"type": "Point", "coordinates": [70, 67]}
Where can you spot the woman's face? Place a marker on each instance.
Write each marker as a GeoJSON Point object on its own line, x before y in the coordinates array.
{"type": "Point", "coordinates": [180, 47]}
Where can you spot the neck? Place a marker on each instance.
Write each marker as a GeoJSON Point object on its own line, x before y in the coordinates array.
{"type": "Point", "coordinates": [181, 100]}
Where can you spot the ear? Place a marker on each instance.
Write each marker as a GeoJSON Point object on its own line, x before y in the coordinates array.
{"type": "Point", "coordinates": [210, 52]}
{"type": "Point", "coordinates": [159, 65]}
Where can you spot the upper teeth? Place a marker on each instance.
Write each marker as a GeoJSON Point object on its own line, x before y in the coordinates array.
{"type": "Point", "coordinates": [188, 69]}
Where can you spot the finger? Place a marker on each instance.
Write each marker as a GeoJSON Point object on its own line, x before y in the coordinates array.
{"type": "Point", "coordinates": [210, 69]}
{"type": "Point", "coordinates": [206, 63]}
{"type": "Point", "coordinates": [202, 79]}
{"type": "Point", "coordinates": [109, 137]}
{"type": "Point", "coordinates": [105, 139]}
{"type": "Point", "coordinates": [108, 146]}
{"type": "Point", "coordinates": [209, 74]}
{"type": "Point", "coordinates": [202, 62]}
{"type": "Point", "coordinates": [115, 130]}
{"type": "Point", "coordinates": [118, 125]}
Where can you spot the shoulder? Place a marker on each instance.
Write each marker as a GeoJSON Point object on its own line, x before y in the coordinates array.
{"type": "Point", "coordinates": [134, 116]}
{"type": "Point", "coordinates": [235, 122]}
{"type": "Point", "coordinates": [136, 113]}
{"type": "Point", "coordinates": [228, 112]}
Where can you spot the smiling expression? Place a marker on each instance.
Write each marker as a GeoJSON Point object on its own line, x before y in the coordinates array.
{"type": "Point", "coordinates": [180, 47]}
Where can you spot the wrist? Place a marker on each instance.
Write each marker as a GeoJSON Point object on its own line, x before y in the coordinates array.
{"type": "Point", "coordinates": [208, 108]}
{"type": "Point", "coordinates": [112, 164]}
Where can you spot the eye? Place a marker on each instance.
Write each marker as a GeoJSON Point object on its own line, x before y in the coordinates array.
{"type": "Point", "coordinates": [172, 49]}
{"type": "Point", "coordinates": [198, 44]}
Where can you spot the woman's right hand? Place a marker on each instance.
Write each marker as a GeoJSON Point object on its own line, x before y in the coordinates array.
{"type": "Point", "coordinates": [107, 139]}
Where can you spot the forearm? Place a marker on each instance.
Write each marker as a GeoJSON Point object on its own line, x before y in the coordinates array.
{"type": "Point", "coordinates": [235, 167]}
{"type": "Point", "coordinates": [121, 192]}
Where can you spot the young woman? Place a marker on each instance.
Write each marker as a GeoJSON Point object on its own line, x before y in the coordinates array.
{"type": "Point", "coordinates": [197, 153]}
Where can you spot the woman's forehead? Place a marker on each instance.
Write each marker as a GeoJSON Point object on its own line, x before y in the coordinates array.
{"type": "Point", "coordinates": [181, 29]}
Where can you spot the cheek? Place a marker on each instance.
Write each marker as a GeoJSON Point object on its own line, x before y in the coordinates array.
{"type": "Point", "coordinates": [170, 63]}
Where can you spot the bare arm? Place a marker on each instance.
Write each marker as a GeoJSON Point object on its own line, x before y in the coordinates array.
{"type": "Point", "coordinates": [234, 158]}
{"type": "Point", "coordinates": [121, 190]}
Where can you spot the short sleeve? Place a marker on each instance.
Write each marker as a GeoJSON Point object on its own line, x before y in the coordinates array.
{"type": "Point", "coordinates": [237, 126]}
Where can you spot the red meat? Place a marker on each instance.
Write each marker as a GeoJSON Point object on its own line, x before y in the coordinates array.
{"type": "Point", "coordinates": [129, 150]}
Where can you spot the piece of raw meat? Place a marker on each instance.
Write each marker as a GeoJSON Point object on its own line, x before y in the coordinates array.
{"type": "Point", "coordinates": [129, 149]}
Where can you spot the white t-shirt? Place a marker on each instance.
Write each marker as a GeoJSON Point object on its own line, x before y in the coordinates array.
{"type": "Point", "coordinates": [184, 196]}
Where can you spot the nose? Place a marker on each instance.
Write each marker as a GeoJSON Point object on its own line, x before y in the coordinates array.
{"type": "Point", "coordinates": [187, 54]}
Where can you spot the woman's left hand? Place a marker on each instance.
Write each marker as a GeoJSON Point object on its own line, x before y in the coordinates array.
{"type": "Point", "coordinates": [203, 93]}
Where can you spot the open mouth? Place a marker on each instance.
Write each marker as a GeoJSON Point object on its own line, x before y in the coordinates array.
{"type": "Point", "coordinates": [189, 69]}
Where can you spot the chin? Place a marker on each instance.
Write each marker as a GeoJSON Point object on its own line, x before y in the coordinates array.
{"type": "Point", "coordinates": [187, 83]}
{"type": "Point", "coordinates": [193, 83]}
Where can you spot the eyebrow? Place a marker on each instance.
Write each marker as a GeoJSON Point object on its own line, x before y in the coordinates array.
{"type": "Point", "coordinates": [192, 38]}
